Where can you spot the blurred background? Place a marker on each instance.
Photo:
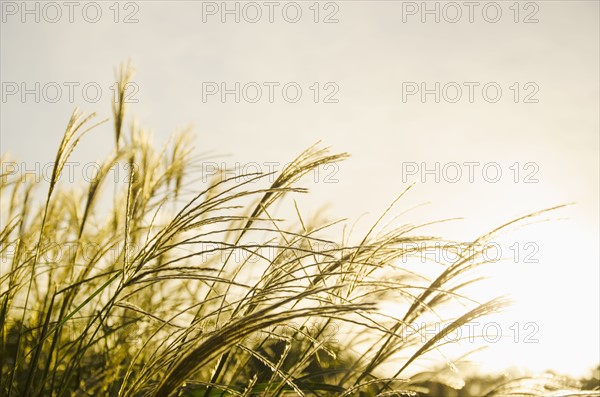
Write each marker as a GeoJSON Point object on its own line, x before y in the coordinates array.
{"type": "Point", "coordinates": [491, 108]}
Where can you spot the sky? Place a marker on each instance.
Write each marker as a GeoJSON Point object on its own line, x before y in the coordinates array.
{"type": "Point", "coordinates": [491, 108]}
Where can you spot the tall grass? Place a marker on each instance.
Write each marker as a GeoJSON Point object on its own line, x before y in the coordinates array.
{"type": "Point", "coordinates": [188, 288]}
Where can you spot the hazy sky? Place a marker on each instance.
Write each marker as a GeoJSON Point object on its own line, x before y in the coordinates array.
{"type": "Point", "coordinates": [540, 130]}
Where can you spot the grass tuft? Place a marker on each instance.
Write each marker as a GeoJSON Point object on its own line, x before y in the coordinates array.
{"type": "Point", "coordinates": [190, 288]}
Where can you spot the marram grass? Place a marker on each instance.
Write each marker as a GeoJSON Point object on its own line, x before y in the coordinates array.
{"type": "Point", "coordinates": [183, 288]}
